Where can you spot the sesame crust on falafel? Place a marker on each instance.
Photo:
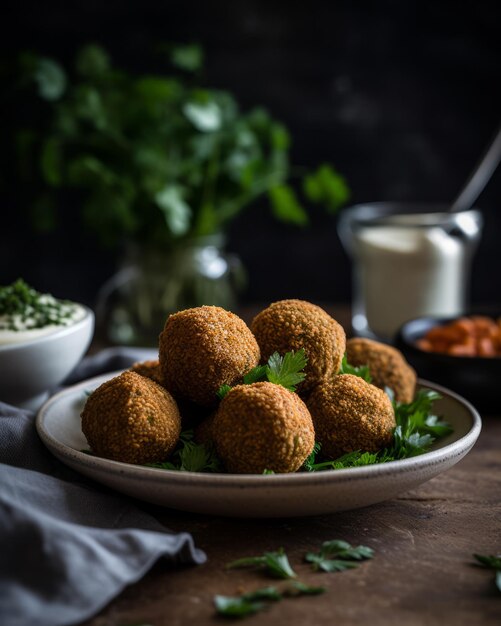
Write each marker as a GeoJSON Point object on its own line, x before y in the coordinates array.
{"type": "Point", "coordinates": [260, 427]}
{"type": "Point", "coordinates": [132, 419]}
{"type": "Point", "coordinates": [387, 366]}
{"type": "Point", "coordinates": [350, 414]}
{"type": "Point", "coordinates": [201, 349]}
{"type": "Point", "coordinates": [294, 324]}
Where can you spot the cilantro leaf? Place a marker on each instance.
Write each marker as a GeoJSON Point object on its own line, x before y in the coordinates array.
{"type": "Point", "coordinates": [329, 565]}
{"type": "Point", "coordinates": [276, 563]}
{"type": "Point", "coordinates": [256, 375]}
{"type": "Point", "coordinates": [362, 370]}
{"type": "Point", "coordinates": [337, 556]}
{"type": "Point", "coordinates": [309, 464]}
{"type": "Point", "coordinates": [254, 601]}
{"type": "Point", "coordinates": [190, 456]}
{"type": "Point", "coordinates": [237, 606]}
{"type": "Point", "coordinates": [286, 370]}
{"type": "Point", "coordinates": [297, 588]}
{"type": "Point", "coordinates": [491, 562]}
{"type": "Point", "coordinates": [344, 550]}
{"type": "Point", "coordinates": [280, 370]}
{"type": "Point", "coordinates": [222, 391]}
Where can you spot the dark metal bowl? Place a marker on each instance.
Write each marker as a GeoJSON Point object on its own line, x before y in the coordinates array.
{"type": "Point", "coordinates": [478, 379]}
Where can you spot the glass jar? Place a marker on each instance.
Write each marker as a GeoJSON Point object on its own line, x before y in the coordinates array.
{"type": "Point", "coordinates": [407, 261]}
{"type": "Point", "coordinates": [133, 305]}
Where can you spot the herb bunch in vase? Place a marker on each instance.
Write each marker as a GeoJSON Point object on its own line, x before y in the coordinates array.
{"type": "Point", "coordinates": [163, 165]}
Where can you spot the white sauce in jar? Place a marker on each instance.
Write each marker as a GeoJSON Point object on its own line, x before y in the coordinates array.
{"type": "Point", "coordinates": [409, 272]}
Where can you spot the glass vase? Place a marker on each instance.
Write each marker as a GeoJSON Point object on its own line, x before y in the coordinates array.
{"type": "Point", "coordinates": [133, 305]}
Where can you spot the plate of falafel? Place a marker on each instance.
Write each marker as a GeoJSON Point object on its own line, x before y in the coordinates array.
{"type": "Point", "coordinates": [282, 418]}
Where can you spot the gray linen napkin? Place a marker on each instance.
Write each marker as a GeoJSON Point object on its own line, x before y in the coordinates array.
{"type": "Point", "coordinates": [67, 545]}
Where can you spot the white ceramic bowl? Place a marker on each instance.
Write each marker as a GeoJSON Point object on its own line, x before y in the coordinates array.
{"type": "Point", "coordinates": [251, 495]}
{"type": "Point", "coordinates": [29, 370]}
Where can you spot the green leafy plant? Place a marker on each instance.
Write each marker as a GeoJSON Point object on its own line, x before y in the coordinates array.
{"type": "Point", "coordinates": [159, 157]}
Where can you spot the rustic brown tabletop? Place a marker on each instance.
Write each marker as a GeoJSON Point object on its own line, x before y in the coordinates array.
{"type": "Point", "coordinates": [423, 571]}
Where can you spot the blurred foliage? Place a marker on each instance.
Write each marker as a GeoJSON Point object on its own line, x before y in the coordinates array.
{"type": "Point", "coordinates": [158, 157]}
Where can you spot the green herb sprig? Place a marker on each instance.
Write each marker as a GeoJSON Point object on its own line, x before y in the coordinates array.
{"type": "Point", "coordinates": [362, 371]}
{"type": "Point", "coordinates": [334, 556]}
{"type": "Point", "coordinates": [276, 564]}
{"type": "Point", "coordinates": [190, 456]}
{"type": "Point", "coordinates": [337, 556]}
{"type": "Point", "coordinates": [286, 370]}
{"type": "Point", "coordinates": [254, 601]}
{"type": "Point", "coordinates": [493, 563]}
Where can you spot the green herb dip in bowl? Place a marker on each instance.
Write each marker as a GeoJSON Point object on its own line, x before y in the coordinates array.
{"type": "Point", "coordinates": [41, 341]}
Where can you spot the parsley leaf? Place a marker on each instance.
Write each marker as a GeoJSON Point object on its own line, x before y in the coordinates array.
{"type": "Point", "coordinates": [191, 457]}
{"type": "Point", "coordinates": [286, 370]}
{"type": "Point", "coordinates": [362, 370]}
{"type": "Point", "coordinates": [491, 562]}
{"type": "Point", "coordinates": [276, 563]}
{"type": "Point", "coordinates": [257, 374]}
{"type": "Point", "coordinates": [245, 604]}
{"type": "Point", "coordinates": [309, 464]}
{"type": "Point", "coordinates": [280, 370]}
{"type": "Point", "coordinates": [222, 391]}
{"type": "Point", "coordinates": [297, 588]}
{"type": "Point", "coordinates": [254, 601]}
{"type": "Point", "coordinates": [337, 556]}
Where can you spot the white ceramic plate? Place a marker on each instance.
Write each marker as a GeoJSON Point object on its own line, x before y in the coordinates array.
{"type": "Point", "coordinates": [275, 495]}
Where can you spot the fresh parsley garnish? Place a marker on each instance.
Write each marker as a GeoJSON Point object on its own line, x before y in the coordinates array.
{"type": "Point", "coordinates": [491, 562]}
{"type": "Point", "coordinates": [337, 556]}
{"type": "Point", "coordinates": [297, 588]}
{"type": "Point", "coordinates": [257, 374]}
{"type": "Point", "coordinates": [284, 370]}
{"type": "Point", "coordinates": [287, 370]}
{"type": "Point", "coordinates": [276, 563]}
{"type": "Point", "coordinates": [309, 464]}
{"type": "Point", "coordinates": [190, 456]}
{"type": "Point", "coordinates": [246, 603]}
{"type": "Point", "coordinates": [254, 601]}
{"type": "Point", "coordinates": [222, 391]}
{"type": "Point", "coordinates": [362, 370]}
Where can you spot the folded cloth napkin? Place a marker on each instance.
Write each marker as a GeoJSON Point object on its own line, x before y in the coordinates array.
{"type": "Point", "coordinates": [67, 545]}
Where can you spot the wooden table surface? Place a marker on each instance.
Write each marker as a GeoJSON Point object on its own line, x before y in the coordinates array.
{"type": "Point", "coordinates": [422, 572]}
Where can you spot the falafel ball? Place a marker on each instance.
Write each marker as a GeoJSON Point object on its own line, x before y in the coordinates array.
{"type": "Point", "coordinates": [350, 414]}
{"type": "Point", "coordinates": [260, 427]}
{"type": "Point", "coordinates": [387, 366]}
{"type": "Point", "coordinates": [132, 419]}
{"type": "Point", "coordinates": [294, 324]}
{"type": "Point", "coordinates": [203, 431]}
{"type": "Point", "coordinates": [201, 349]}
{"type": "Point", "coordinates": [150, 369]}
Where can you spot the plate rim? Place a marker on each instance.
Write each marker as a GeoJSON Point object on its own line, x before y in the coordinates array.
{"type": "Point", "coordinates": [131, 471]}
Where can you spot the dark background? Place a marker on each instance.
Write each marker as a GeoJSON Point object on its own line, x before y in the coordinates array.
{"type": "Point", "coordinates": [402, 97]}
